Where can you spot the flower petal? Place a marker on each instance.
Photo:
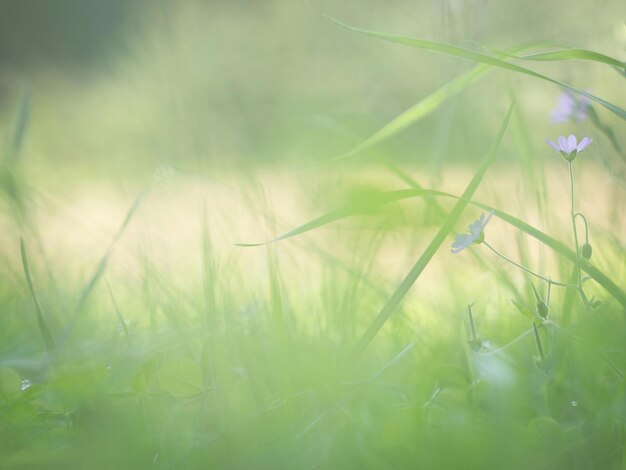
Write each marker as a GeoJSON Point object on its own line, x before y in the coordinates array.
{"type": "Point", "coordinates": [461, 242]}
{"type": "Point", "coordinates": [553, 145]}
{"type": "Point", "coordinates": [584, 143]}
{"type": "Point", "coordinates": [562, 144]}
{"type": "Point", "coordinates": [488, 217]}
{"type": "Point", "coordinates": [571, 144]}
{"type": "Point", "coordinates": [477, 225]}
{"type": "Point", "coordinates": [564, 108]}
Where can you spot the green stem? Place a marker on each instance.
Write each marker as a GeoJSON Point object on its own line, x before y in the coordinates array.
{"type": "Point", "coordinates": [578, 214]}
{"type": "Point", "coordinates": [526, 270]}
{"type": "Point", "coordinates": [579, 282]}
{"type": "Point", "coordinates": [573, 216]}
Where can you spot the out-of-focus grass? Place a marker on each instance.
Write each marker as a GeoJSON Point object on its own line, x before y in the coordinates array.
{"type": "Point", "coordinates": [135, 334]}
{"type": "Point", "coordinates": [199, 353]}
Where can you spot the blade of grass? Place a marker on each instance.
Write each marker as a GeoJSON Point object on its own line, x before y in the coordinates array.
{"type": "Point", "coordinates": [351, 209]}
{"type": "Point", "coordinates": [441, 214]}
{"type": "Point", "coordinates": [118, 313]}
{"type": "Point", "coordinates": [433, 246]}
{"type": "Point", "coordinates": [476, 56]}
{"type": "Point", "coordinates": [426, 106]}
{"type": "Point", "coordinates": [100, 268]}
{"type": "Point", "coordinates": [41, 322]}
{"type": "Point", "coordinates": [565, 54]}
{"type": "Point", "coordinates": [398, 195]}
{"type": "Point", "coordinates": [21, 124]}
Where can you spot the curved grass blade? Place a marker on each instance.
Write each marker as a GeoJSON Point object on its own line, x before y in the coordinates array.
{"type": "Point", "coordinates": [575, 54]}
{"type": "Point", "coordinates": [348, 210]}
{"type": "Point", "coordinates": [421, 109]}
{"type": "Point", "coordinates": [427, 105]}
{"type": "Point", "coordinates": [476, 56]}
{"type": "Point", "coordinates": [432, 247]}
{"type": "Point", "coordinates": [564, 54]}
{"type": "Point", "coordinates": [616, 292]}
{"type": "Point", "coordinates": [393, 196]}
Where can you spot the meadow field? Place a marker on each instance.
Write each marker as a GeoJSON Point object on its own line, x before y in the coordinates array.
{"type": "Point", "coordinates": [312, 234]}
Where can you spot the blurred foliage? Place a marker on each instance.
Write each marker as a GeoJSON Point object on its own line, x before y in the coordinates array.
{"type": "Point", "coordinates": [126, 86]}
{"type": "Point", "coordinates": [140, 140]}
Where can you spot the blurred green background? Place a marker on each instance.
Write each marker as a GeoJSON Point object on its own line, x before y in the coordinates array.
{"type": "Point", "coordinates": [142, 139]}
{"type": "Point", "coordinates": [130, 85]}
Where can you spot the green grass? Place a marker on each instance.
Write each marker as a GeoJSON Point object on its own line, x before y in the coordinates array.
{"type": "Point", "coordinates": [145, 323]}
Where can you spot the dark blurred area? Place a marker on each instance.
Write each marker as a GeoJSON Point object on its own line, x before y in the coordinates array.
{"type": "Point", "coordinates": [61, 32]}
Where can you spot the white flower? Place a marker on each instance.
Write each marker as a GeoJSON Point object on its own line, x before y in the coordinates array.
{"type": "Point", "coordinates": [476, 235]}
{"type": "Point", "coordinates": [569, 107]}
{"type": "Point", "coordinates": [569, 147]}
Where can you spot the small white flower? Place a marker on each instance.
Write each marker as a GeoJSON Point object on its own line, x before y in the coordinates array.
{"type": "Point", "coordinates": [570, 106]}
{"type": "Point", "coordinates": [569, 147]}
{"type": "Point", "coordinates": [476, 234]}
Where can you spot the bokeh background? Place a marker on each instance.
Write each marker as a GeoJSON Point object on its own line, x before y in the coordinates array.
{"type": "Point", "coordinates": [124, 86]}
{"type": "Point", "coordinates": [140, 140]}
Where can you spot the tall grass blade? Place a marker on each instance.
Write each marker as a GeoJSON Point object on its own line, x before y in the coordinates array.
{"type": "Point", "coordinates": [41, 322]}
{"type": "Point", "coordinates": [398, 195]}
{"type": "Point", "coordinates": [21, 124]}
{"type": "Point", "coordinates": [566, 54]}
{"type": "Point", "coordinates": [100, 269]}
{"type": "Point", "coordinates": [426, 106]}
{"type": "Point", "coordinates": [477, 56]}
{"type": "Point", "coordinates": [421, 109]}
{"type": "Point", "coordinates": [434, 245]}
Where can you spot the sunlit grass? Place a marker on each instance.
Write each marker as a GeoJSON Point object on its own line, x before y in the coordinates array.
{"type": "Point", "coordinates": [161, 311]}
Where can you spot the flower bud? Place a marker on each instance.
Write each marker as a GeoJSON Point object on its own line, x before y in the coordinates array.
{"type": "Point", "coordinates": [586, 251]}
{"type": "Point", "coordinates": [595, 303]}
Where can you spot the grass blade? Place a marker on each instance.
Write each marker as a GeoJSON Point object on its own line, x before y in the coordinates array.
{"type": "Point", "coordinates": [41, 322]}
{"type": "Point", "coordinates": [100, 268]}
{"type": "Point", "coordinates": [398, 195]}
{"type": "Point", "coordinates": [427, 105]}
{"type": "Point", "coordinates": [477, 56]}
{"type": "Point", "coordinates": [361, 207]}
{"type": "Point", "coordinates": [565, 54]}
{"type": "Point", "coordinates": [21, 124]}
{"type": "Point", "coordinates": [421, 109]}
{"type": "Point", "coordinates": [433, 246]}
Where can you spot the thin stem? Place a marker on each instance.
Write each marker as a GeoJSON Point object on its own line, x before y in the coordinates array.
{"type": "Point", "coordinates": [578, 214]}
{"type": "Point", "coordinates": [526, 270]}
{"type": "Point", "coordinates": [573, 215]}
{"type": "Point", "coordinates": [538, 342]}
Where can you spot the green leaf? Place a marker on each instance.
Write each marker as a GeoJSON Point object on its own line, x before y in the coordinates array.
{"type": "Point", "coordinates": [456, 51]}
{"type": "Point", "coordinates": [181, 378]}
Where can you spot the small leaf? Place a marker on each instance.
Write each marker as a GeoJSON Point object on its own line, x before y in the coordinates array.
{"type": "Point", "coordinates": [181, 378]}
